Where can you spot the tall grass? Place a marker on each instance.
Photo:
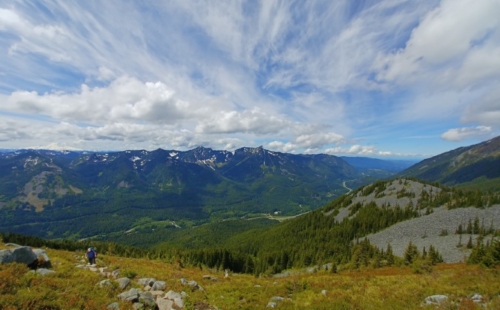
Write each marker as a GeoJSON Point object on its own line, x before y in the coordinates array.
{"type": "Point", "coordinates": [384, 288]}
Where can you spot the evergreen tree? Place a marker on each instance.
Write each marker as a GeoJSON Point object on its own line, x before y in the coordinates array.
{"type": "Point", "coordinates": [411, 253]}
{"type": "Point", "coordinates": [389, 255]}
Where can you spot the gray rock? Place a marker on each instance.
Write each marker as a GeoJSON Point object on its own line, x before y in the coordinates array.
{"type": "Point", "coordinates": [146, 281]}
{"type": "Point", "coordinates": [115, 273]}
{"type": "Point", "coordinates": [193, 284]}
{"type": "Point", "coordinates": [164, 304]}
{"type": "Point", "coordinates": [176, 297]}
{"type": "Point", "coordinates": [147, 299]}
{"type": "Point", "coordinates": [113, 306]}
{"type": "Point", "coordinates": [43, 258]}
{"type": "Point", "coordinates": [323, 292]}
{"type": "Point", "coordinates": [24, 255]}
{"type": "Point", "coordinates": [158, 293]}
{"type": "Point", "coordinates": [5, 257]}
{"type": "Point", "coordinates": [105, 283]}
{"type": "Point", "coordinates": [123, 283]}
{"type": "Point", "coordinates": [435, 299]}
{"type": "Point", "coordinates": [130, 295]}
{"type": "Point", "coordinates": [271, 304]}
{"type": "Point", "coordinates": [277, 298]}
{"type": "Point", "coordinates": [476, 298]}
{"type": "Point", "coordinates": [159, 286]}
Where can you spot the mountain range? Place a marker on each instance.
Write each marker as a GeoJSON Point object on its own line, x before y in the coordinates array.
{"type": "Point", "coordinates": [73, 194]}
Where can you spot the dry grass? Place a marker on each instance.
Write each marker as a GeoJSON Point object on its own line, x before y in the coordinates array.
{"type": "Point", "coordinates": [386, 288]}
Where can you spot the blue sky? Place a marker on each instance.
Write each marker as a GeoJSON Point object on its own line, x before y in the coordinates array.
{"type": "Point", "coordinates": [393, 79]}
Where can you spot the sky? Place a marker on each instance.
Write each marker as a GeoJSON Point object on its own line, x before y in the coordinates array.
{"type": "Point", "coordinates": [389, 79]}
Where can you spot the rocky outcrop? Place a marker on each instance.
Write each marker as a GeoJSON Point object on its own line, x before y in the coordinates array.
{"type": "Point", "coordinates": [25, 255]}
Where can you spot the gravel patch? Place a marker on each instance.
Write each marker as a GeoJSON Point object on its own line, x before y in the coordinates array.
{"type": "Point", "coordinates": [425, 231]}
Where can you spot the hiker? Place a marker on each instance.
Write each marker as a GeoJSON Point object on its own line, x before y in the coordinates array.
{"type": "Point", "coordinates": [91, 255]}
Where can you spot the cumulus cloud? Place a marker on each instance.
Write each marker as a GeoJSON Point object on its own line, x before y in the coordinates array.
{"type": "Point", "coordinates": [248, 121]}
{"type": "Point", "coordinates": [358, 150]}
{"type": "Point", "coordinates": [125, 99]}
{"type": "Point", "coordinates": [279, 146]}
{"type": "Point", "coordinates": [459, 134]}
{"type": "Point", "coordinates": [317, 140]}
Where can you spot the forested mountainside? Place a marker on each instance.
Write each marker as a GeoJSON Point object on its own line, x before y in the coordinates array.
{"type": "Point", "coordinates": [336, 232]}
{"type": "Point", "coordinates": [347, 233]}
{"type": "Point", "coordinates": [473, 166]}
{"type": "Point", "coordinates": [80, 194]}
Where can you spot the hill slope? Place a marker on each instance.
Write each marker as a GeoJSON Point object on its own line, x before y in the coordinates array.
{"type": "Point", "coordinates": [422, 213]}
{"type": "Point", "coordinates": [475, 163]}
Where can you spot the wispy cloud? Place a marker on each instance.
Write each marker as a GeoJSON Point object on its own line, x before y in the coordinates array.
{"type": "Point", "coordinates": [291, 75]}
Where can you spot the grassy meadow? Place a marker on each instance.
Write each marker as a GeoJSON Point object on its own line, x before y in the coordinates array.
{"type": "Point", "coordinates": [383, 288]}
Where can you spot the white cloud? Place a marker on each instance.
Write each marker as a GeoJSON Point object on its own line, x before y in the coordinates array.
{"type": "Point", "coordinates": [125, 99]}
{"type": "Point", "coordinates": [248, 121]}
{"type": "Point", "coordinates": [317, 140]}
{"type": "Point", "coordinates": [440, 45]}
{"type": "Point", "coordinates": [228, 74]}
{"type": "Point", "coordinates": [279, 146]}
{"type": "Point", "coordinates": [358, 150]}
{"type": "Point", "coordinates": [459, 134]}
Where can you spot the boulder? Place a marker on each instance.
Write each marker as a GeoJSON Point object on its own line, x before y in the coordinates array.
{"type": "Point", "coordinates": [5, 257]}
{"type": "Point", "coordinates": [115, 273]}
{"type": "Point", "coordinates": [159, 286]}
{"type": "Point", "coordinates": [164, 304]}
{"type": "Point", "coordinates": [24, 255]}
{"type": "Point", "coordinates": [43, 258]}
{"type": "Point", "coordinates": [171, 300]}
{"type": "Point", "coordinates": [147, 299]}
{"type": "Point", "coordinates": [435, 299]}
{"type": "Point", "coordinates": [123, 283]}
{"type": "Point", "coordinates": [114, 306]}
{"type": "Point", "coordinates": [476, 298]}
{"type": "Point", "coordinates": [130, 295]}
{"type": "Point", "coordinates": [146, 281]}
{"type": "Point", "coordinates": [193, 284]}
{"type": "Point", "coordinates": [105, 283]}
{"type": "Point", "coordinates": [271, 304]}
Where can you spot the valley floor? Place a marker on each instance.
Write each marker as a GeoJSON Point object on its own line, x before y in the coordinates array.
{"type": "Point", "coordinates": [385, 288]}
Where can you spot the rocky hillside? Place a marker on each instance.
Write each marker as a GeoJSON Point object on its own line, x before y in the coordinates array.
{"type": "Point", "coordinates": [441, 211]}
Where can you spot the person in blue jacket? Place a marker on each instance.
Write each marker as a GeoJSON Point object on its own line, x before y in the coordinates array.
{"type": "Point", "coordinates": [91, 255]}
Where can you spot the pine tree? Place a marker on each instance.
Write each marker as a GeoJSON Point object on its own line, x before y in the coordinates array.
{"type": "Point", "coordinates": [411, 253]}
{"type": "Point", "coordinates": [389, 255]}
